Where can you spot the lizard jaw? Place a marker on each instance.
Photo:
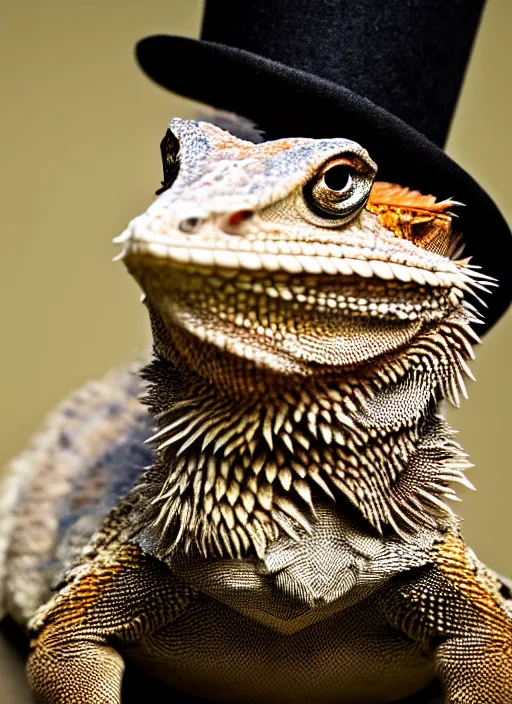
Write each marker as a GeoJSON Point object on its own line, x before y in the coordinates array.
{"type": "Point", "coordinates": [290, 324]}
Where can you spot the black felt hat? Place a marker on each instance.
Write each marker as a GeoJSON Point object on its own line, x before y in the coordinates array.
{"type": "Point", "coordinates": [386, 74]}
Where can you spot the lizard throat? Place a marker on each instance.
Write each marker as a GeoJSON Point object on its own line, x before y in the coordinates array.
{"type": "Point", "coordinates": [281, 324]}
{"type": "Point", "coordinates": [234, 474]}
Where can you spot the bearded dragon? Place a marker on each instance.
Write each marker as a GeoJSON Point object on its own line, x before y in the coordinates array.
{"type": "Point", "coordinates": [271, 522]}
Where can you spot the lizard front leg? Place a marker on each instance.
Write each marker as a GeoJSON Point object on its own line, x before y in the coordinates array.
{"type": "Point", "coordinates": [476, 671]}
{"type": "Point", "coordinates": [456, 609]}
{"type": "Point", "coordinates": [116, 600]}
{"type": "Point", "coordinates": [76, 672]}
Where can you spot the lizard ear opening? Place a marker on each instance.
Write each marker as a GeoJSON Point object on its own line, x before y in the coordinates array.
{"type": "Point", "coordinates": [170, 150]}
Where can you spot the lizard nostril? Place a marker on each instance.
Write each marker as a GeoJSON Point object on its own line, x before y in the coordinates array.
{"type": "Point", "coordinates": [190, 225]}
{"type": "Point", "coordinates": [231, 223]}
{"type": "Point", "coordinates": [238, 217]}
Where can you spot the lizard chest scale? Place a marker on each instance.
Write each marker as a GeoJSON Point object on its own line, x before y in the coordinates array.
{"type": "Point", "coordinates": [299, 624]}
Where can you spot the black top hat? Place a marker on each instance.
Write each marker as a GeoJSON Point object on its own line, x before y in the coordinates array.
{"type": "Point", "coordinates": [386, 74]}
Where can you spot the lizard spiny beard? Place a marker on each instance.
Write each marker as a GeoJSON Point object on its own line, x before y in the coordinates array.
{"type": "Point", "coordinates": [235, 472]}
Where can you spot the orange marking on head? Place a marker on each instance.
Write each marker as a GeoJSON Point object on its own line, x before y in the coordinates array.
{"type": "Point", "coordinates": [244, 150]}
{"type": "Point", "coordinates": [267, 149]}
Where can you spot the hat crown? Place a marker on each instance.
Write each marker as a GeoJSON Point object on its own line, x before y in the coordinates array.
{"type": "Point", "coordinates": [406, 56]}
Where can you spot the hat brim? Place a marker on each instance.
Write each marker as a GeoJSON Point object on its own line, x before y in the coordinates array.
{"type": "Point", "coordinates": [287, 102]}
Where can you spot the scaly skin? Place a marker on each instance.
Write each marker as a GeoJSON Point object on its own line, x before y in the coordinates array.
{"type": "Point", "coordinates": [288, 539]}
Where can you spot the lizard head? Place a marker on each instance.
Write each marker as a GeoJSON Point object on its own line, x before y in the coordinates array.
{"type": "Point", "coordinates": [287, 257]}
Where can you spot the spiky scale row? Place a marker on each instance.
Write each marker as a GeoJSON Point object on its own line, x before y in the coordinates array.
{"type": "Point", "coordinates": [241, 472]}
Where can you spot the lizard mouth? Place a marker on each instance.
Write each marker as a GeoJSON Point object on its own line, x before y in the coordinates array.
{"type": "Point", "coordinates": [284, 320]}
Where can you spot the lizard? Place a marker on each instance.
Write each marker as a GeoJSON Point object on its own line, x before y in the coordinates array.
{"type": "Point", "coordinates": [261, 513]}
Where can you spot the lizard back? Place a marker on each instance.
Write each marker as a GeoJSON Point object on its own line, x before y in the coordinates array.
{"type": "Point", "coordinates": [57, 493]}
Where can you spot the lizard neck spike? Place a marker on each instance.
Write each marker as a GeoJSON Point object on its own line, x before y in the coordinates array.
{"type": "Point", "coordinates": [233, 474]}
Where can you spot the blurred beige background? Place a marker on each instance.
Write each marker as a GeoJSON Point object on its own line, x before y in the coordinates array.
{"type": "Point", "coordinates": [80, 157]}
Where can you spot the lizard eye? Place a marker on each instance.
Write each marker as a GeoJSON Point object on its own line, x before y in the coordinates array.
{"type": "Point", "coordinates": [339, 189]}
{"type": "Point", "coordinates": [170, 150]}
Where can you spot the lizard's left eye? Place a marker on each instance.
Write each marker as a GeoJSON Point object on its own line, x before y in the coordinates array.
{"type": "Point", "coordinates": [339, 189]}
